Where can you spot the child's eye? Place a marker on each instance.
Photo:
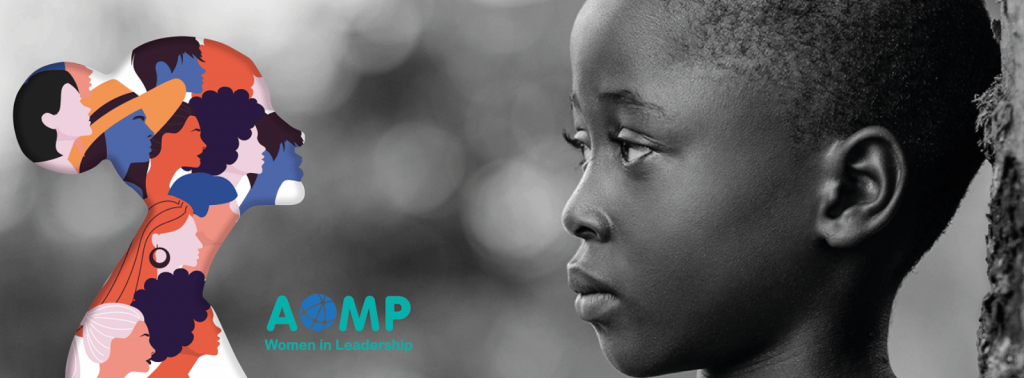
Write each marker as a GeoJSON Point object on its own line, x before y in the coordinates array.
{"type": "Point", "coordinates": [579, 140]}
{"type": "Point", "coordinates": [631, 151]}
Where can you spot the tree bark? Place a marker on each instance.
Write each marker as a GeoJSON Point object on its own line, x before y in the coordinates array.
{"type": "Point", "coordinates": [1001, 334]}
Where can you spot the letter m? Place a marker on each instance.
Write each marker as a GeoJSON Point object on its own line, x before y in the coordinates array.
{"type": "Point", "coordinates": [359, 318]}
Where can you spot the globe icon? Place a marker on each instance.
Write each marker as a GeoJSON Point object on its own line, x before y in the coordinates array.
{"type": "Point", "coordinates": [318, 312]}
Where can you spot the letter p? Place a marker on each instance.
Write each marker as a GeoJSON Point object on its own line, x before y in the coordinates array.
{"type": "Point", "coordinates": [391, 314]}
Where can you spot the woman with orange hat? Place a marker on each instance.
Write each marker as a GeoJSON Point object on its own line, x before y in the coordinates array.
{"type": "Point", "coordinates": [123, 122]}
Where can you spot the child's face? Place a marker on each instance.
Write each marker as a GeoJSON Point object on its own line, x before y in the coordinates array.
{"type": "Point", "coordinates": [695, 210]}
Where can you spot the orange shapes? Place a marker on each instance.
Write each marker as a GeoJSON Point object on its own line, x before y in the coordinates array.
{"type": "Point", "coordinates": [226, 67]}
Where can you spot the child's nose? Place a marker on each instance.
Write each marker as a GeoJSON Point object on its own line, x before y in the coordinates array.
{"type": "Point", "coordinates": [583, 217]}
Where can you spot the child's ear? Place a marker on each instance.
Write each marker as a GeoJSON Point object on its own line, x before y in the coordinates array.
{"type": "Point", "coordinates": [864, 177]}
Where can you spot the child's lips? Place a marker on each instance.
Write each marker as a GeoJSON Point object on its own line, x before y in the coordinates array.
{"type": "Point", "coordinates": [595, 299]}
{"type": "Point", "coordinates": [594, 307]}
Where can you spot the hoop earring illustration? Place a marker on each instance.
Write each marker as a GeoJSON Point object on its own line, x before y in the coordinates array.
{"type": "Point", "coordinates": [166, 260]}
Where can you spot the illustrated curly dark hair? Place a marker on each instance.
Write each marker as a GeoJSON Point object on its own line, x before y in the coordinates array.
{"type": "Point", "coordinates": [226, 117]}
{"type": "Point", "coordinates": [171, 304]}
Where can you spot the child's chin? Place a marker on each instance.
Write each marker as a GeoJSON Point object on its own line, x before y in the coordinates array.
{"type": "Point", "coordinates": [636, 357]}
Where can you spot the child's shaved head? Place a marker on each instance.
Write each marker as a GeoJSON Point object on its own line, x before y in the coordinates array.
{"type": "Point", "coordinates": [910, 66]}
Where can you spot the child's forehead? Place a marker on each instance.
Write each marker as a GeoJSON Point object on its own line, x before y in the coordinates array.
{"type": "Point", "coordinates": [630, 33]}
{"type": "Point", "coordinates": [621, 44]}
{"type": "Point", "coordinates": [626, 20]}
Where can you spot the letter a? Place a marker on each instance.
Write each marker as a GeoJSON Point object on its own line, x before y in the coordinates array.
{"type": "Point", "coordinates": [276, 317]}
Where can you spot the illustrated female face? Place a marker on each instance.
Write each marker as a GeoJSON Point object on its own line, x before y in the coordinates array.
{"type": "Point", "coordinates": [72, 120]}
{"type": "Point", "coordinates": [185, 146]}
{"type": "Point", "coordinates": [182, 245]}
{"type": "Point", "coordinates": [285, 168]}
{"type": "Point", "coordinates": [189, 72]}
{"type": "Point", "coordinates": [289, 161]}
{"type": "Point", "coordinates": [132, 352]}
{"type": "Point", "coordinates": [281, 180]}
{"type": "Point", "coordinates": [693, 212]}
{"type": "Point", "coordinates": [128, 139]}
{"type": "Point", "coordinates": [250, 155]}
{"type": "Point", "coordinates": [81, 75]}
{"type": "Point", "coordinates": [206, 336]}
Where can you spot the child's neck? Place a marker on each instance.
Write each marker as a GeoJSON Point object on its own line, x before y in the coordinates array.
{"type": "Point", "coordinates": [847, 343]}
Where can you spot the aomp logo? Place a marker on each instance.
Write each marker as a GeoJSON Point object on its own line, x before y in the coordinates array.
{"type": "Point", "coordinates": [318, 312]}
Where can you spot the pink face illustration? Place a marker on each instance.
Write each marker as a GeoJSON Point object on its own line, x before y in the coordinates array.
{"type": "Point", "coordinates": [250, 155]}
{"type": "Point", "coordinates": [72, 120]}
{"type": "Point", "coordinates": [182, 246]}
{"type": "Point", "coordinates": [131, 353]}
{"type": "Point", "coordinates": [116, 337]}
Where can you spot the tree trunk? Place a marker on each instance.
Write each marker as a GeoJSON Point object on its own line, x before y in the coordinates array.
{"type": "Point", "coordinates": [1001, 334]}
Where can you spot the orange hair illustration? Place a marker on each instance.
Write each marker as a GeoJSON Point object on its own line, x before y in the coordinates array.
{"type": "Point", "coordinates": [135, 268]}
{"type": "Point", "coordinates": [226, 67]}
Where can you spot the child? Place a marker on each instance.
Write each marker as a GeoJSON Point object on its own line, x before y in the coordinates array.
{"type": "Point", "coordinates": [759, 176]}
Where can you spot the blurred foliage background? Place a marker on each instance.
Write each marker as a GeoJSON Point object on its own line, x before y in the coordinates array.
{"type": "Point", "coordinates": [434, 170]}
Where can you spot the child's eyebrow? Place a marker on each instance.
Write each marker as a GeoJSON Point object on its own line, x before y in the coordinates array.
{"type": "Point", "coordinates": [623, 97]}
{"type": "Point", "coordinates": [629, 98]}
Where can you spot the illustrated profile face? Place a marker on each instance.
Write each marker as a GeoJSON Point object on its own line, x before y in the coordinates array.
{"type": "Point", "coordinates": [49, 118]}
{"type": "Point", "coordinates": [116, 337]}
{"type": "Point", "coordinates": [159, 61]}
{"type": "Point", "coordinates": [128, 139]}
{"type": "Point", "coordinates": [181, 246]}
{"type": "Point", "coordinates": [188, 71]}
{"type": "Point", "coordinates": [288, 162]}
{"type": "Point", "coordinates": [184, 147]}
{"type": "Point", "coordinates": [72, 120]}
{"type": "Point", "coordinates": [250, 155]}
{"type": "Point", "coordinates": [206, 336]}
{"type": "Point", "coordinates": [131, 353]}
{"type": "Point", "coordinates": [281, 180]}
